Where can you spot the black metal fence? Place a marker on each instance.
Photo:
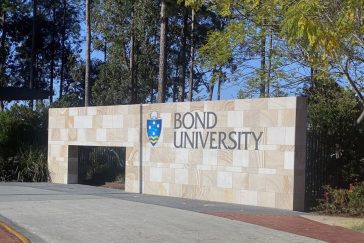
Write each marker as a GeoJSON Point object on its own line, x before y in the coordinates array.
{"type": "Point", "coordinates": [97, 165]}
{"type": "Point", "coordinates": [323, 166]}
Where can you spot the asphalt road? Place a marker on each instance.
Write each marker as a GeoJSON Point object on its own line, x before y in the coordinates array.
{"type": "Point", "coordinates": [78, 213]}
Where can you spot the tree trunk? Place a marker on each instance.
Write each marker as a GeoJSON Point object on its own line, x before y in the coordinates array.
{"type": "Point", "coordinates": [176, 79]}
{"type": "Point", "coordinates": [219, 81]}
{"type": "Point", "coordinates": [270, 55]}
{"type": "Point", "coordinates": [52, 60]}
{"type": "Point", "coordinates": [3, 55]}
{"type": "Point", "coordinates": [192, 56]}
{"type": "Point", "coordinates": [211, 90]}
{"type": "Point", "coordinates": [132, 63]}
{"type": "Point", "coordinates": [182, 59]}
{"type": "Point", "coordinates": [33, 51]}
{"type": "Point", "coordinates": [152, 92]}
{"type": "Point", "coordinates": [312, 78]}
{"type": "Point", "coordinates": [262, 62]}
{"type": "Point", "coordinates": [33, 54]}
{"type": "Point", "coordinates": [212, 84]}
{"type": "Point", "coordinates": [105, 49]}
{"type": "Point", "coordinates": [162, 55]}
{"type": "Point", "coordinates": [88, 54]}
{"type": "Point", "coordinates": [351, 81]}
{"type": "Point", "coordinates": [63, 40]}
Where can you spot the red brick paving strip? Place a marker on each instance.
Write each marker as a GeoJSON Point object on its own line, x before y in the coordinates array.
{"type": "Point", "coordinates": [7, 237]}
{"type": "Point", "coordinates": [297, 225]}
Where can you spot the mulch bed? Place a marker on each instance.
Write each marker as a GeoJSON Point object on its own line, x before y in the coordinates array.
{"type": "Point", "coordinates": [7, 237]}
{"type": "Point", "coordinates": [297, 225]}
{"type": "Point", "coordinates": [114, 185]}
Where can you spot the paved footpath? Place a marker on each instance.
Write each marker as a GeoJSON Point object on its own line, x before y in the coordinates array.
{"type": "Point", "coordinates": [77, 213]}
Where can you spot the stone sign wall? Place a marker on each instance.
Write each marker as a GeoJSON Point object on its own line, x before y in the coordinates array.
{"type": "Point", "coordinates": [239, 151]}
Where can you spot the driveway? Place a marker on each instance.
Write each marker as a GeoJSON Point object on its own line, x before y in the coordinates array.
{"type": "Point", "coordinates": [78, 213]}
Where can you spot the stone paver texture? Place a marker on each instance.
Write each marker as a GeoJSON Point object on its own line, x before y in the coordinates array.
{"type": "Point", "coordinates": [297, 225]}
{"type": "Point", "coordinates": [7, 237]}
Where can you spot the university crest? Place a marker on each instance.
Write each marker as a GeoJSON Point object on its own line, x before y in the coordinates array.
{"type": "Point", "coordinates": [154, 127]}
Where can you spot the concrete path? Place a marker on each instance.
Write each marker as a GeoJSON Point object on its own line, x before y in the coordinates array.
{"type": "Point", "coordinates": [77, 213]}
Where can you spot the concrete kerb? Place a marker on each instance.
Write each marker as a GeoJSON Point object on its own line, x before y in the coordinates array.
{"type": "Point", "coordinates": [21, 233]}
{"type": "Point", "coordinates": [15, 233]}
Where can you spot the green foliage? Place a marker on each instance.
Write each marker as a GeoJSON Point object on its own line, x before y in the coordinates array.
{"type": "Point", "coordinates": [111, 88]}
{"type": "Point", "coordinates": [69, 100]}
{"type": "Point", "coordinates": [332, 112]}
{"type": "Point", "coordinates": [221, 44]}
{"type": "Point", "coordinates": [33, 165]}
{"type": "Point", "coordinates": [21, 127]}
{"type": "Point", "coordinates": [332, 109]}
{"type": "Point", "coordinates": [196, 4]}
{"type": "Point", "coordinates": [356, 197]}
{"type": "Point", "coordinates": [330, 33]}
{"type": "Point", "coordinates": [313, 23]}
{"type": "Point", "coordinates": [28, 165]}
{"type": "Point", "coordinates": [115, 22]}
{"type": "Point", "coordinates": [359, 227]}
{"type": "Point", "coordinates": [345, 202]}
{"type": "Point", "coordinates": [57, 40]}
{"type": "Point", "coordinates": [23, 143]}
{"type": "Point", "coordinates": [300, 24]}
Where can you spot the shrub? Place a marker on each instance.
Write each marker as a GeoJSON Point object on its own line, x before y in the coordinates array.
{"type": "Point", "coordinates": [332, 113]}
{"type": "Point", "coordinates": [356, 198]}
{"type": "Point", "coordinates": [345, 202]}
{"type": "Point", "coordinates": [28, 165]}
{"type": "Point", "coordinates": [9, 168]}
{"type": "Point", "coordinates": [33, 164]}
{"type": "Point", "coordinates": [23, 144]}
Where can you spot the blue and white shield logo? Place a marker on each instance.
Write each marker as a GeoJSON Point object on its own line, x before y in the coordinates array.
{"type": "Point", "coordinates": [154, 128]}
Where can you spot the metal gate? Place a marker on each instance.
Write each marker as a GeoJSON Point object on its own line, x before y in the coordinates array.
{"type": "Point", "coordinates": [97, 165]}
{"type": "Point", "coordinates": [323, 166]}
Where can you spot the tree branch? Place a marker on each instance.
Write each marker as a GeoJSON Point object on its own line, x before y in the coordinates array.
{"type": "Point", "coordinates": [350, 80]}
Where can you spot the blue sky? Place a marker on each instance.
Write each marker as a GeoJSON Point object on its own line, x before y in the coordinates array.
{"type": "Point", "coordinates": [229, 89]}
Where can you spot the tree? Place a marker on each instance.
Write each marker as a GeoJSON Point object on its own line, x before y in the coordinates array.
{"type": "Point", "coordinates": [218, 52]}
{"type": "Point", "coordinates": [162, 54]}
{"type": "Point", "coordinates": [182, 58]}
{"type": "Point", "coordinates": [122, 23]}
{"type": "Point", "coordinates": [33, 50]}
{"type": "Point", "coordinates": [63, 47]}
{"type": "Point", "coordinates": [88, 53]}
{"type": "Point", "coordinates": [192, 55]}
{"type": "Point", "coordinates": [332, 112]}
{"type": "Point", "coordinates": [52, 67]}
{"type": "Point", "coordinates": [5, 7]}
{"type": "Point", "coordinates": [118, 24]}
{"type": "Point", "coordinates": [194, 5]}
{"type": "Point", "coordinates": [132, 61]}
{"type": "Point", "coordinates": [333, 40]}
{"type": "Point", "coordinates": [44, 71]}
{"type": "Point", "coordinates": [256, 57]}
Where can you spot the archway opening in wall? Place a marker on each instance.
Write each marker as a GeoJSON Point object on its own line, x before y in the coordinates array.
{"type": "Point", "coordinates": [101, 166]}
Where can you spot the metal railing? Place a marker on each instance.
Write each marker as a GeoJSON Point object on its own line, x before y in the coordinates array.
{"type": "Point", "coordinates": [323, 166]}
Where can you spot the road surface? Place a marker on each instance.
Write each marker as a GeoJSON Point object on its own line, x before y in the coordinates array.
{"type": "Point", "coordinates": [77, 213]}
